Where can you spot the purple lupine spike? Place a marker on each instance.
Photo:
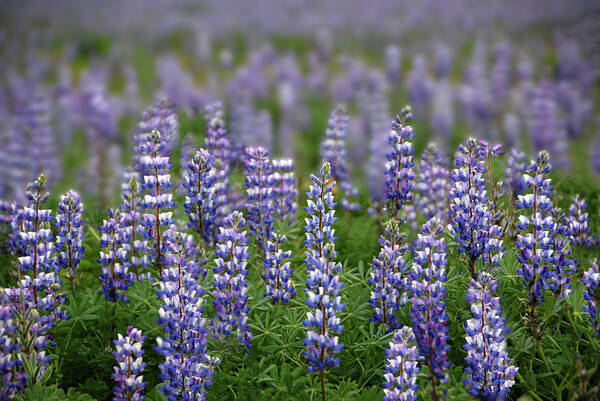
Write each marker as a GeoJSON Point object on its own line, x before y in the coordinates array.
{"type": "Point", "coordinates": [13, 378]}
{"type": "Point", "coordinates": [591, 281]}
{"type": "Point", "coordinates": [27, 341]}
{"type": "Point", "coordinates": [43, 145]}
{"type": "Point", "coordinates": [402, 367]}
{"type": "Point", "coordinates": [70, 234]}
{"type": "Point", "coordinates": [157, 201]}
{"type": "Point", "coordinates": [333, 151]}
{"type": "Point", "coordinates": [219, 144]}
{"type": "Point", "coordinates": [490, 371]}
{"type": "Point", "coordinates": [36, 242]}
{"type": "Point", "coordinates": [512, 131]}
{"type": "Point", "coordinates": [546, 128]}
{"type": "Point", "coordinates": [564, 265]}
{"type": "Point", "coordinates": [131, 228]}
{"type": "Point", "coordinates": [472, 223]}
{"type": "Point", "coordinates": [428, 307]}
{"type": "Point", "coordinates": [284, 188]}
{"type": "Point", "coordinates": [398, 170]}
{"type": "Point", "coordinates": [161, 117]}
{"type": "Point", "coordinates": [129, 356]}
{"type": "Point", "coordinates": [259, 194]}
{"type": "Point", "coordinates": [577, 108]}
{"type": "Point", "coordinates": [188, 369]}
{"type": "Point", "coordinates": [200, 199]}
{"type": "Point", "coordinates": [393, 61]}
{"type": "Point", "coordinates": [443, 61]}
{"type": "Point", "coordinates": [280, 286]}
{"type": "Point", "coordinates": [534, 241]}
{"type": "Point", "coordinates": [8, 213]}
{"type": "Point", "coordinates": [115, 277]}
{"type": "Point", "coordinates": [419, 84]}
{"type": "Point", "coordinates": [442, 113]}
{"type": "Point", "coordinates": [515, 168]}
{"type": "Point", "coordinates": [187, 152]}
{"type": "Point", "coordinates": [230, 279]}
{"type": "Point", "coordinates": [389, 277]}
{"type": "Point", "coordinates": [432, 184]}
{"type": "Point", "coordinates": [501, 72]}
{"type": "Point", "coordinates": [579, 230]}
{"type": "Point", "coordinates": [17, 169]}
{"type": "Point", "coordinates": [323, 282]}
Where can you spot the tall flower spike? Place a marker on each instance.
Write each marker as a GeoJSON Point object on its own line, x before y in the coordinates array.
{"type": "Point", "coordinates": [323, 282]}
{"type": "Point", "coordinates": [70, 235]}
{"type": "Point", "coordinates": [389, 277]}
{"type": "Point", "coordinates": [564, 264]}
{"type": "Point", "coordinates": [38, 263]}
{"type": "Point", "coordinates": [490, 372]}
{"type": "Point", "coordinates": [187, 370]}
{"type": "Point", "coordinates": [219, 144]}
{"type": "Point", "coordinates": [398, 169]}
{"type": "Point", "coordinates": [200, 198]}
{"type": "Point", "coordinates": [230, 279]}
{"type": "Point", "coordinates": [115, 277]}
{"type": "Point", "coordinates": [514, 171]}
{"type": "Point", "coordinates": [472, 222]}
{"type": "Point", "coordinates": [579, 230]}
{"type": "Point", "coordinates": [13, 379]}
{"type": "Point", "coordinates": [160, 117]}
{"type": "Point", "coordinates": [333, 151]}
{"type": "Point", "coordinates": [591, 281]}
{"type": "Point", "coordinates": [259, 194]}
{"type": "Point", "coordinates": [428, 293]}
{"type": "Point", "coordinates": [534, 241]}
{"type": "Point", "coordinates": [278, 273]}
{"type": "Point", "coordinates": [284, 188]}
{"type": "Point", "coordinates": [130, 365]}
{"type": "Point", "coordinates": [131, 228]}
{"type": "Point", "coordinates": [402, 367]}
{"type": "Point", "coordinates": [432, 184]}
{"type": "Point", "coordinates": [158, 201]}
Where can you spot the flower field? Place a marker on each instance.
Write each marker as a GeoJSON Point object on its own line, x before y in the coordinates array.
{"type": "Point", "coordinates": [299, 201]}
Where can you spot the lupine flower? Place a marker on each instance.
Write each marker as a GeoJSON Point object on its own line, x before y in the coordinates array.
{"type": "Point", "coordinates": [442, 113]}
{"type": "Point", "coordinates": [490, 371]}
{"type": "Point", "coordinates": [200, 199]}
{"type": "Point", "coordinates": [501, 72]}
{"type": "Point", "coordinates": [512, 130]}
{"type": "Point", "coordinates": [432, 184]}
{"type": "Point", "coordinates": [428, 306]}
{"type": "Point", "coordinates": [534, 241]}
{"type": "Point", "coordinates": [472, 223]}
{"type": "Point", "coordinates": [8, 212]}
{"type": "Point", "coordinates": [393, 58]}
{"type": "Point", "coordinates": [377, 119]}
{"type": "Point", "coordinates": [219, 144]}
{"type": "Point", "coordinates": [333, 151]}
{"type": "Point", "coordinates": [278, 273]}
{"type": "Point", "coordinates": [187, 370]}
{"type": "Point", "coordinates": [11, 373]}
{"type": "Point", "coordinates": [564, 265]}
{"type": "Point", "coordinates": [402, 367]}
{"type": "Point", "coordinates": [115, 277]}
{"type": "Point", "coordinates": [514, 172]}
{"type": "Point", "coordinates": [259, 194]}
{"type": "Point", "coordinates": [284, 188]}
{"type": "Point", "coordinates": [161, 117]}
{"type": "Point", "coordinates": [323, 282]}
{"type": "Point", "coordinates": [158, 201]}
{"type": "Point", "coordinates": [419, 84]}
{"type": "Point", "coordinates": [591, 281]}
{"type": "Point", "coordinates": [38, 263]}
{"type": "Point", "coordinates": [130, 365]}
{"type": "Point", "coordinates": [579, 230]}
{"type": "Point", "coordinates": [187, 152]}
{"type": "Point", "coordinates": [131, 229]}
{"type": "Point", "coordinates": [230, 279]}
{"type": "Point", "coordinates": [70, 235]}
{"type": "Point", "coordinates": [24, 341]}
{"type": "Point", "coordinates": [398, 170]}
{"type": "Point", "coordinates": [487, 152]}
{"type": "Point", "coordinates": [389, 277]}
